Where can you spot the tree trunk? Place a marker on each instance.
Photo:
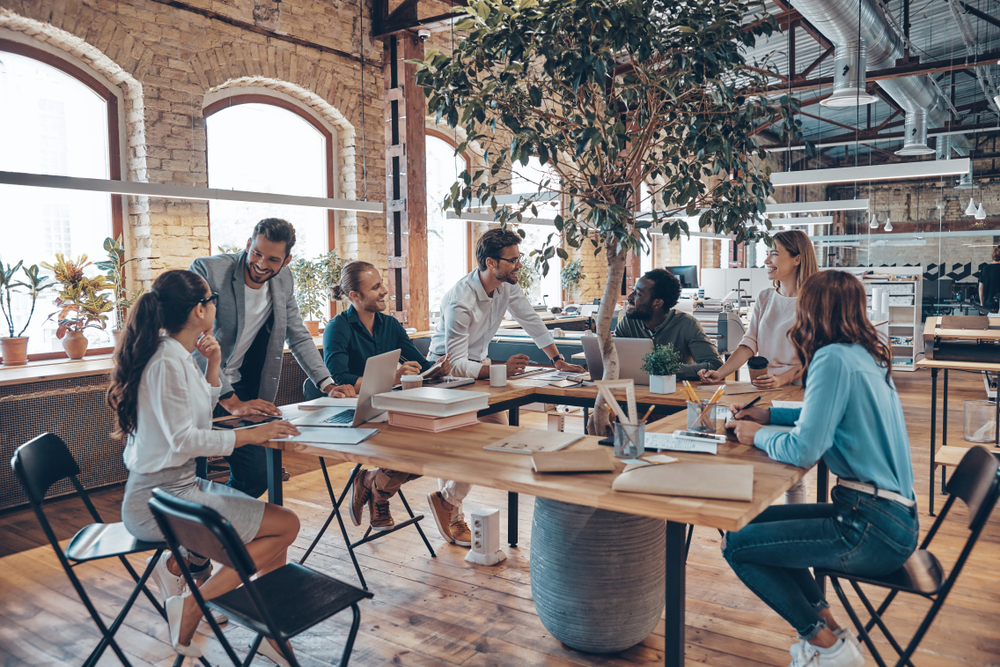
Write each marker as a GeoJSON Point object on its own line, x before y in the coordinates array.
{"type": "Point", "coordinates": [600, 424]}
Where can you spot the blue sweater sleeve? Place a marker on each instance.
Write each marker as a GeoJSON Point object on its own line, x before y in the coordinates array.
{"type": "Point", "coordinates": [336, 350]}
{"type": "Point", "coordinates": [827, 391]}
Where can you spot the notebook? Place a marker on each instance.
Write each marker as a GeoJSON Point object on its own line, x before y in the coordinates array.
{"type": "Point", "coordinates": [723, 481]}
{"type": "Point", "coordinates": [576, 460]}
{"type": "Point", "coordinates": [530, 440]}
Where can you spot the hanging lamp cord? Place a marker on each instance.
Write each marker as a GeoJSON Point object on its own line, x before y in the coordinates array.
{"type": "Point", "coordinates": [364, 151]}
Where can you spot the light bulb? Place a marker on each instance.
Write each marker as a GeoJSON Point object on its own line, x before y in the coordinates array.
{"type": "Point", "coordinates": [981, 212]}
{"type": "Point", "coordinates": [971, 208]}
{"type": "Point", "coordinates": [888, 223]}
{"type": "Point", "coordinates": [873, 223]}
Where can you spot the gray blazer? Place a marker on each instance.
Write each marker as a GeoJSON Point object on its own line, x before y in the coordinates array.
{"type": "Point", "coordinates": [224, 274]}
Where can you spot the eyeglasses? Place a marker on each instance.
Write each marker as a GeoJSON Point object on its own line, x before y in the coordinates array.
{"type": "Point", "coordinates": [516, 260]}
{"type": "Point", "coordinates": [213, 299]}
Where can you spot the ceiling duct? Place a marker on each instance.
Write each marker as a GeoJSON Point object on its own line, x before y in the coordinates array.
{"type": "Point", "coordinates": [849, 89]}
{"type": "Point", "coordinates": [846, 22]}
{"type": "Point", "coordinates": [943, 148]}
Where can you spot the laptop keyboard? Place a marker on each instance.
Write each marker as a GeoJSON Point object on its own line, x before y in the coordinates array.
{"type": "Point", "coordinates": [345, 417]}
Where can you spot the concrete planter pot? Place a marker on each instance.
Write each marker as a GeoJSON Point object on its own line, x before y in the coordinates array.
{"type": "Point", "coordinates": [597, 577]}
{"type": "Point", "coordinates": [662, 384]}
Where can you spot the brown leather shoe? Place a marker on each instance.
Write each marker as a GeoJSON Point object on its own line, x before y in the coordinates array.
{"type": "Point", "coordinates": [460, 533]}
{"type": "Point", "coordinates": [378, 510]}
{"type": "Point", "coordinates": [359, 497]}
{"type": "Point", "coordinates": [441, 511]}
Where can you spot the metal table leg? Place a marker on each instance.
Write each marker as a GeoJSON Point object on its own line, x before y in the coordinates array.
{"type": "Point", "coordinates": [514, 416]}
{"type": "Point", "coordinates": [930, 493]}
{"type": "Point", "coordinates": [274, 484]}
{"type": "Point", "coordinates": [673, 628]}
{"type": "Point", "coordinates": [944, 427]}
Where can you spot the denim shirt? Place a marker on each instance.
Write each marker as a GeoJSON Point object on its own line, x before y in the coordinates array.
{"type": "Point", "coordinates": [347, 345]}
{"type": "Point", "coordinates": [851, 417]}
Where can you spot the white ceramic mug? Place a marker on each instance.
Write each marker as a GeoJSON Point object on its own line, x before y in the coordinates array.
{"type": "Point", "coordinates": [498, 375]}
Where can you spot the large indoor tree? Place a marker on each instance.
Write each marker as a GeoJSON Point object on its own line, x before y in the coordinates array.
{"type": "Point", "coordinates": [610, 94]}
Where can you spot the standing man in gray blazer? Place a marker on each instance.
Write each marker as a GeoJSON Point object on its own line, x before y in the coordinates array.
{"type": "Point", "coordinates": [256, 315]}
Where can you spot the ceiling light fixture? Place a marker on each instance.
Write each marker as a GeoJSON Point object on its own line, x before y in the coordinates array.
{"type": "Point", "coordinates": [881, 172]}
{"type": "Point", "coordinates": [971, 208]}
{"type": "Point", "coordinates": [981, 212]}
{"type": "Point", "coordinates": [817, 206]}
{"type": "Point", "coordinates": [873, 223]}
{"type": "Point", "coordinates": [138, 189]}
{"type": "Point", "coordinates": [888, 223]}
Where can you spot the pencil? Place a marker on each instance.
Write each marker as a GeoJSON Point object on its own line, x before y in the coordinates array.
{"type": "Point", "coordinates": [717, 395]}
{"type": "Point", "coordinates": [646, 416]}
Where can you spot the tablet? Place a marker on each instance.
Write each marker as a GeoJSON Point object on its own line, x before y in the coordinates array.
{"type": "Point", "coordinates": [246, 421]}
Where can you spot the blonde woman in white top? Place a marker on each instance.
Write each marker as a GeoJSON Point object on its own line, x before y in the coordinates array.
{"type": "Point", "coordinates": [163, 404]}
{"type": "Point", "coordinates": [788, 264]}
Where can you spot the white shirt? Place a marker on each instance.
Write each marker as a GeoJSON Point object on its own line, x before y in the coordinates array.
{"type": "Point", "coordinates": [175, 406]}
{"type": "Point", "coordinates": [256, 310]}
{"type": "Point", "coordinates": [767, 336]}
{"type": "Point", "coordinates": [470, 318]}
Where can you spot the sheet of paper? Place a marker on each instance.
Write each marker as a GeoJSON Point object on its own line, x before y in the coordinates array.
{"type": "Point", "coordinates": [668, 441]}
{"type": "Point", "coordinates": [787, 404]}
{"type": "Point", "coordinates": [635, 462]}
{"type": "Point", "coordinates": [659, 458]}
{"type": "Point", "coordinates": [331, 436]}
{"type": "Point", "coordinates": [327, 402]}
{"type": "Point", "coordinates": [734, 388]}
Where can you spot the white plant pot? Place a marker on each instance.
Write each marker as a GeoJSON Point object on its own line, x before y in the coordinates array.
{"type": "Point", "coordinates": [662, 384]}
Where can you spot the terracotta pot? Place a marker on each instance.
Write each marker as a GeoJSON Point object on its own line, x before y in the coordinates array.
{"type": "Point", "coordinates": [75, 344]}
{"type": "Point", "coordinates": [15, 351]}
{"type": "Point", "coordinates": [313, 327]}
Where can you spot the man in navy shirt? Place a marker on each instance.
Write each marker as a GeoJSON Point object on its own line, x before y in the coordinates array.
{"type": "Point", "coordinates": [363, 331]}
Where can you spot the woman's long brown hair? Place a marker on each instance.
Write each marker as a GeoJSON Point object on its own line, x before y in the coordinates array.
{"type": "Point", "coordinates": [831, 310]}
{"type": "Point", "coordinates": [165, 307]}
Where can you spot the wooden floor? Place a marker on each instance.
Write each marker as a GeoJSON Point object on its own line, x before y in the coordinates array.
{"type": "Point", "coordinates": [444, 611]}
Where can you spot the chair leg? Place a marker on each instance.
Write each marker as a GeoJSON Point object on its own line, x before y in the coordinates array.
{"type": "Point", "coordinates": [334, 503]}
{"type": "Point", "coordinates": [108, 638]}
{"type": "Point", "coordinates": [922, 630]}
{"type": "Point", "coordinates": [349, 646]}
{"type": "Point", "coordinates": [416, 524]}
{"type": "Point", "coordinates": [865, 637]}
{"type": "Point", "coordinates": [878, 620]}
{"type": "Point", "coordinates": [687, 542]}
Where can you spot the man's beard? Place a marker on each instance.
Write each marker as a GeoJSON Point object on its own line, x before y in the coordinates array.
{"type": "Point", "coordinates": [253, 276]}
{"type": "Point", "coordinates": [638, 314]}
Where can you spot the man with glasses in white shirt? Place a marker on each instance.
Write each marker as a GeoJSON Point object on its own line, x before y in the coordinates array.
{"type": "Point", "coordinates": [471, 313]}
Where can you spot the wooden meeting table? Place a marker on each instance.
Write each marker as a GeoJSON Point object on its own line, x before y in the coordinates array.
{"type": "Point", "coordinates": [458, 454]}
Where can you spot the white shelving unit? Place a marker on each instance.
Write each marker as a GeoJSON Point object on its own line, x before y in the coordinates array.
{"type": "Point", "coordinates": [905, 289]}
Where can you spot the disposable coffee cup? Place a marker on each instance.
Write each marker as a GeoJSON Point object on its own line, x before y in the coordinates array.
{"type": "Point", "coordinates": [757, 367]}
{"type": "Point", "coordinates": [411, 382]}
{"type": "Point", "coordinates": [498, 375]}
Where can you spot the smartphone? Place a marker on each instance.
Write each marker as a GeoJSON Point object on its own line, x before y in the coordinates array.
{"type": "Point", "coordinates": [696, 435]}
{"type": "Point", "coordinates": [247, 421]}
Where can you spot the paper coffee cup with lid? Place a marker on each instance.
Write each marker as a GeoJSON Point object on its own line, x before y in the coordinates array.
{"type": "Point", "coordinates": [411, 382]}
{"type": "Point", "coordinates": [757, 367]}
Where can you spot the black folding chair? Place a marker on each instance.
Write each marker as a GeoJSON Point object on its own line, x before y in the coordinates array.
{"type": "Point", "coordinates": [278, 605]}
{"type": "Point", "coordinates": [40, 463]}
{"type": "Point", "coordinates": [976, 482]}
{"type": "Point", "coordinates": [310, 391]}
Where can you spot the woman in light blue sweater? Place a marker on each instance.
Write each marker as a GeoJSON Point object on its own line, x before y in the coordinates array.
{"type": "Point", "coordinates": [852, 419]}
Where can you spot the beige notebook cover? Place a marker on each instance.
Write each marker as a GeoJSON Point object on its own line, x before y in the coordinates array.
{"type": "Point", "coordinates": [530, 440]}
{"type": "Point", "coordinates": [577, 460]}
{"type": "Point", "coordinates": [699, 480]}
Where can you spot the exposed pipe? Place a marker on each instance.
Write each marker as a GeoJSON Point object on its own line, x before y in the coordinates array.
{"type": "Point", "coordinates": [843, 22]}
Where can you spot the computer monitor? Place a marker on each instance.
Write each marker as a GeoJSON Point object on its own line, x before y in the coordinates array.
{"type": "Point", "coordinates": [688, 275]}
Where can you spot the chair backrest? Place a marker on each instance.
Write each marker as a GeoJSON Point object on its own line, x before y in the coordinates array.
{"type": "Point", "coordinates": [310, 390]}
{"type": "Point", "coordinates": [202, 530]}
{"type": "Point", "coordinates": [423, 345]}
{"type": "Point", "coordinates": [977, 483]}
{"type": "Point", "coordinates": [40, 463]}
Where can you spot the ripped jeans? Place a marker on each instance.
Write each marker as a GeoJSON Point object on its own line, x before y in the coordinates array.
{"type": "Point", "coordinates": [855, 533]}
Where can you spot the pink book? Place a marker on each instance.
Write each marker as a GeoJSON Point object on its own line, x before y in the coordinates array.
{"type": "Point", "coordinates": [431, 424]}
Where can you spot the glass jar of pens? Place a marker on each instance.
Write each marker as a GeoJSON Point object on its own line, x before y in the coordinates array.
{"type": "Point", "coordinates": [703, 413]}
{"type": "Point", "coordinates": [629, 430]}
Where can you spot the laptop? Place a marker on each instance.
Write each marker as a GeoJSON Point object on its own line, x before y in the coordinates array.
{"type": "Point", "coordinates": [380, 371]}
{"type": "Point", "coordinates": [630, 354]}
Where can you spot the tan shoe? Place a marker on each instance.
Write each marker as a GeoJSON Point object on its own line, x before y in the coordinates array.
{"type": "Point", "coordinates": [441, 511]}
{"type": "Point", "coordinates": [378, 510]}
{"type": "Point", "coordinates": [460, 533]}
{"type": "Point", "coordinates": [360, 495]}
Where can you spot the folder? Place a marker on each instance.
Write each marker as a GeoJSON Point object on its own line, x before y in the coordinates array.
{"type": "Point", "coordinates": [723, 481]}
{"type": "Point", "coordinates": [574, 460]}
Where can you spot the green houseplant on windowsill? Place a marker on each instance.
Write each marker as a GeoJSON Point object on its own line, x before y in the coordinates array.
{"type": "Point", "coordinates": [122, 297]}
{"type": "Point", "coordinates": [83, 303]}
{"type": "Point", "coordinates": [572, 275]}
{"type": "Point", "coordinates": [15, 348]}
{"type": "Point", "coordinates": [662, 365]}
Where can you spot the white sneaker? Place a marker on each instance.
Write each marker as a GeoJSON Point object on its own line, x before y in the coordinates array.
{"type": "Point", "coordinates": [170, 585]}
{"type": "Point", "coordinates": [848, 636]}
{"type": "Point", "coordinates": [804, 654]}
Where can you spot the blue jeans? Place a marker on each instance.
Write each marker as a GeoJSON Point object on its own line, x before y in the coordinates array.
{"type": "Point", "coordinates": [248, 470]}
{"type": "Point", "coordinates": [856, 533]}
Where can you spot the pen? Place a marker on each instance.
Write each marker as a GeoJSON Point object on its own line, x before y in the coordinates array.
{"type": "Point", "coordinates": [748, 405]}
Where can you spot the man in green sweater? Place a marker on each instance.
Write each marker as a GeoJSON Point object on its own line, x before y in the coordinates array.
{"type": "Point", "coordinates": [650, 314]}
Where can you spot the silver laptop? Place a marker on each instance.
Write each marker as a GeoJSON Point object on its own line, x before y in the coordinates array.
{"type": "Point", "coordinates": [630, 354]}
{"type": "Point", "coordinates": [380, 371]}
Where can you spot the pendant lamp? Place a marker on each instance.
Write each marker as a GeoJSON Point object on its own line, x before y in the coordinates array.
{"type": "Point", "coordinates": [981, 212]}
{"type": "Point", "coordinates": [971, 208]}
{"type": "Point", "coordinates": [888, 223]}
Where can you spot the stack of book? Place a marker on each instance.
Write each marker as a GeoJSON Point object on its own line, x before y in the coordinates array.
{"type": "Point", "coordinates": [432, 409]}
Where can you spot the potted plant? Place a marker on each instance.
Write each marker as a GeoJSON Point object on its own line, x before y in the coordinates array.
{"type": "Point", "coordinates": [572, 275]}
{"type": "Point", "coordinates": [609, 95]}
{"type": "Point", "coordinates": [15, 348]}
{"type": "Point", "coordinates": [83, 303]}
{"type": "Point", "coordinates": [122, 297]}
{"type": "Point", "coordinates": [309, 290]}
{"type": "Point", "coordinates": [330, 265]}
{"type": "Point", "coordinates": [662, 365]}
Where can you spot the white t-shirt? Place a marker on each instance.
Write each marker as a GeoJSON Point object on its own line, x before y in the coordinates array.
{"type": "Point", "coordinates": [767, 335]}
{"type": "Point", "coordinates": [256, 310]}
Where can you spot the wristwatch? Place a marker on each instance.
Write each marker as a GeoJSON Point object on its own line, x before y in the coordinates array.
{"type": "Point", "coordinates": [558, 357]}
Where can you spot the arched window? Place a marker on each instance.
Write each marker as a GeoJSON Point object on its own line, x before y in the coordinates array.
{"type": "Point", "coordinates": [447, 240]}
{"type": "Point", "coordinates": [55, 119]}
{"type": "Point", "coordinates": [525, 180]}
{"type": "Point", "coordinates": [268, 144]}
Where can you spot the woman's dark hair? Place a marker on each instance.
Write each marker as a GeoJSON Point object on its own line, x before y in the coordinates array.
{"type": "Point", "coordinates": [492, 243]}
{"type": "Point", "coordinates": [165, 307]}
{"type": "Point", "coordinates": [276, 230]}
{"type": "Point", "coordinates": [665, 286]}
{"type": "Point", "coordinates": [996, 253]}
{"type": "Point", "coordinates": [831, 310]}
{"type": "Point", "coordinates": [350, 279]}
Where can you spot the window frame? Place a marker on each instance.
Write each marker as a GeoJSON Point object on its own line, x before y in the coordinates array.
{"type": "Point", "coordinates": [260, 98]}
{"type": "Point", "coordinates": [470, 253]}
{"type": "Point", "coordinates": [105, 92]}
